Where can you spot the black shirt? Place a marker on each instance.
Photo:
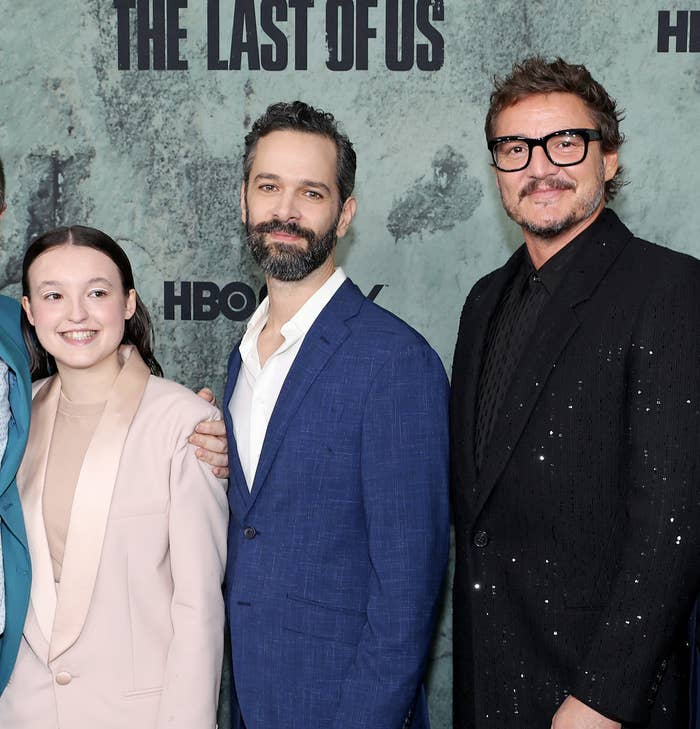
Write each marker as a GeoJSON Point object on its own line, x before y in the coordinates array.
{"type": "Point", "coordinates": [510, 328]}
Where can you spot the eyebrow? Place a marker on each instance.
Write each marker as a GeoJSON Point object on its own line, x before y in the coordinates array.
{"type": "Point", "coordinates": [303, 183]}
{"type": "Point", "coordinates": [97, 279]}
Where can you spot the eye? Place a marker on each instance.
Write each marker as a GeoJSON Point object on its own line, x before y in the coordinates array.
{"type": "Point", "coordinates": [512, 149]}
{"type": "Point", "coordinates": [267, 187]}
{"type": "Point", "coordinates": [313, 195]}
{"type": "Point", "coordinates": [98, 293]}
{"type": "Point", "coordinates": [568, 142]}
{"type": "Point", "coordinates": [51, 296]}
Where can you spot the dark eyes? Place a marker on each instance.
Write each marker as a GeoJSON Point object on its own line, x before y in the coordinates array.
{"type": "Point", "coordinates": [308, 193]}
{"type": "Point", "coordinates": [55, 296]}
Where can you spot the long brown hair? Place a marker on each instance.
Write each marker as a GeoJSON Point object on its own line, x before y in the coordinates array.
{"type": "Point", "coordinates": [138, 330]}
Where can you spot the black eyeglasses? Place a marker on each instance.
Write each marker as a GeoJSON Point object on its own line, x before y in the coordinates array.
{"type": "Point", "coordinates": [563, 148]}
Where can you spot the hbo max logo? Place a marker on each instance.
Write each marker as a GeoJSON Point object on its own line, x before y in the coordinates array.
{"type": "Point", "coordinates": [205, 300]}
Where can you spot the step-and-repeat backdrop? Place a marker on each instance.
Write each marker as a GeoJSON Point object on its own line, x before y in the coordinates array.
{"type": "Point", "coordinates": [129, 115]}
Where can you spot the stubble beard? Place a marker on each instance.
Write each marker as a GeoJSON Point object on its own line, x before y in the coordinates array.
{"type": "Point", "coordinates": [552, 228]}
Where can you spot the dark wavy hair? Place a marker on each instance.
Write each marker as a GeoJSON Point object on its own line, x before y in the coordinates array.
{"type": "Point", "coordinates": [138, 330]}
{"type": "Point", "coordinates": [300, 117]}
{"type": "Point", "coordinates": [535, 75]}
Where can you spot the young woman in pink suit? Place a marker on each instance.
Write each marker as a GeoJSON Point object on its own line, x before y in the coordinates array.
{"type": "Point", "coordinates": [126, 528]}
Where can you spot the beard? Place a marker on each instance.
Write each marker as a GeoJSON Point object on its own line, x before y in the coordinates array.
{"type": "Point", "coordinates": [288, 262]}
{"type": "Point", "coordinates": [584, 208]}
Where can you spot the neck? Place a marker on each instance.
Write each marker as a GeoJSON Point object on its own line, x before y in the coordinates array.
{"type": "Point", "coordinates": [287, 297]}
{"type": "Point", "coordinates": [91, 384]}
{"type": "Point", "coordinates": [542, 249]}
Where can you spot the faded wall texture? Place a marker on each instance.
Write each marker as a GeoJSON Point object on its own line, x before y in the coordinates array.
{"type": "Point", "coordinates": [153, 158]}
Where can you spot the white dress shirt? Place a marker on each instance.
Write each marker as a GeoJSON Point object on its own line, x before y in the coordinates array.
{"type": "Point", "coordinates": [257, 388]}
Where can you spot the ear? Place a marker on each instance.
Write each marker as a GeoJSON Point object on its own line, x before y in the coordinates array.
{"type": "Point", "coordinates": [347, 213]}
{"type": "Point", "coordinates": [610, 161]}
{"type": "Point", "coordinates": [130, 308]}
{"type": "Point", "coordinates": [244, 217]}
{"type": "Point", "coordinates": [498, 179]}
{"type": "Point", "coordinates": [27, 309]}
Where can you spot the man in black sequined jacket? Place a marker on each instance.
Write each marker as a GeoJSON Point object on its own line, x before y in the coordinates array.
{"type": "Point", "coordinates": [575, 437]}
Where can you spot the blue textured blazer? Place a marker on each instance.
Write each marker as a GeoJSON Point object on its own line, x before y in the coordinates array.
{"type": "Point", "coordinates": [14, 539]}
{"type": "Point", "coordinates": [337, 556]}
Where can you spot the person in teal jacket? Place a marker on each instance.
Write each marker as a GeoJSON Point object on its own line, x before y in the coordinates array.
{"type": "Point", "coordinates": [13, 540]}
{"type": "Point", "coordinates": [15, 403]}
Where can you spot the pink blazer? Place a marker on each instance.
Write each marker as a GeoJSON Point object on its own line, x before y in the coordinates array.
{"type": "Point", "coordinates": [132, 637]}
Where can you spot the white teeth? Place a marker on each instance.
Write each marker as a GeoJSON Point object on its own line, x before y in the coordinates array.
{"type": "Point", "coordinates": [79, 336]}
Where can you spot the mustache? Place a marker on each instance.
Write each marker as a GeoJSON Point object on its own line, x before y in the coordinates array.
{"type": "Point", "coordinates": [552, 184]}
{"type": "Point", "coordinates": [277, 226]}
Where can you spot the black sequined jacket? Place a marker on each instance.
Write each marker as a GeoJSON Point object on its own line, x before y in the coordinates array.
{"type": "Point", "coordinates": [578, 542]}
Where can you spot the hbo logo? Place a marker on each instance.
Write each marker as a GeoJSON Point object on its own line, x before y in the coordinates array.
{"type": "Point", "coordinates": [204, 300]}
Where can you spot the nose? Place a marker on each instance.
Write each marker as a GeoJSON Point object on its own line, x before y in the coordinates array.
{"type": "Point", "coordinates": [78, 310]}
{"type": "Point", "coordinates": [286, 207]}
{"type": "Point", "coordinates": [540, 165]}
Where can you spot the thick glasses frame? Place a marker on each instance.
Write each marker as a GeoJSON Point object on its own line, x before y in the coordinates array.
{"type": "Point", "coordinates": [588, 135]}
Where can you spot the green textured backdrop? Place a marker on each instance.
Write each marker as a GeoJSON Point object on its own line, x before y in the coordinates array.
{"type": "Point", "coordinates": [153, 158]}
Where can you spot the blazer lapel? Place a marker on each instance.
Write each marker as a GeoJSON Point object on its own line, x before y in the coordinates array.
{"type": "Point", "coordinates": [30, 482]}
{"type": "Point", "coordinates": [235, 468]}
{"type": "Point", "coordinates": [523, 393]}
{"type": "Point", "coordinates": [20, 399]}
{"type": "Point", "coordinates": [466, 367]}
{"type": "Point", "coordinates": [607, 240]}
{"type": "Point", "coordinates": [321, 341]}
{"type": "Point", "coordinates": [91, 503]}
{"type": "Point", "coordinates": [18, 429]}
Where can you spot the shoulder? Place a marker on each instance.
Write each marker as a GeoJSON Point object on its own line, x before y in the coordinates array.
{"type": "Point", "coordinates": [372, 325]}
{"type": "Point", "coordinates": [661, 277]}
{"type": "Point", "coordinates": [497, 278]}
{"type": "Point", "coordinates": [8, 306]}
{"type": "Point", "coordinates": [664, 262]}
{"type": "Point", "coordinates": [382, 347]}
{"type": "Point", "coordinates": [381, 335]}
{"type": "Point", "coordinates": [10, 317]}
{"type": "Point", "coordinates": [174, 404]}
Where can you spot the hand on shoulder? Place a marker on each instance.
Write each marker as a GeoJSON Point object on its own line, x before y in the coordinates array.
{"type": "Point", "coordinates": [210, 439]}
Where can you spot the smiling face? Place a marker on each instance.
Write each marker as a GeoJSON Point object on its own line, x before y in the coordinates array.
{"type": "Point", "coordinates": [291, 205]}
{"type": "Point", "coordinates": [78, 307]}
{"type": "Point", "coordinates": [551, 203]}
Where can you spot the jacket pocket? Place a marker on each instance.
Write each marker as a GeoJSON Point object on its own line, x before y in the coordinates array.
{"type": "Point", "coordinates": [323, 621]}
{"type": "Point", "coordinates": [150, 595]}
{"type": "Point", "coordinates": [143, 693]}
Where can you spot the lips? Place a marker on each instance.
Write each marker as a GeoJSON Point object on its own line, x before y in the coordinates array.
{"type": "Point", "coordinates": [535, 187]}
{"type": "Point", "coordinates": [280, 235]}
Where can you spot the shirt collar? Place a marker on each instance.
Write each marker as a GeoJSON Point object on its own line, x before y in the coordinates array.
{"type": "Point", "coordinates": [553, 271]}
{"type": "Point", "coordinates": [299, 324]}
{"type": "Point", "coordinates": [302, 321]}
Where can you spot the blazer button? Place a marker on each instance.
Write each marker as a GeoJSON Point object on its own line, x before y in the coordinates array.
{"type": "Point", "coordinates": [63, 678]}
{"type": "Point", "coordinates": [481, 539]}
{"type": "Point", "coordinates": [249, 532]}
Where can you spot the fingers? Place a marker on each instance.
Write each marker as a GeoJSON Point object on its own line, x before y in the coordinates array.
{"type": "Point", "coordinates": [214, 428]}
{"type": "Point", "coordinates": [206, 394]}
{"type": "Point", "coordinates": [220, 472]}
{"type": "Point", "coordinates": [212, 450]}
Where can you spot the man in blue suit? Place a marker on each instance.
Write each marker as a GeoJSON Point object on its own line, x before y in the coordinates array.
{"type": "Point", "coordinates": [15, 394]}
{"type": "Point", "coordinates": [336, 413]}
